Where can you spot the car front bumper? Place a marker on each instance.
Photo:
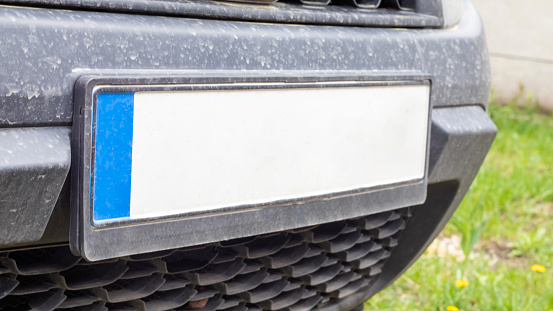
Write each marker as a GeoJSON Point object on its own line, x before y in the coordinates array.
{"type": "Point", "coordinates": [44, 52]}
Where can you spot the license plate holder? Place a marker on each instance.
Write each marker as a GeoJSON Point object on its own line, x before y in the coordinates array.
{"type": "Point", "coordinates": [292, 197]}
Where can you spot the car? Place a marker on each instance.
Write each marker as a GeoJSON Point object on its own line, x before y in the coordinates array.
{"type": "Point", "coordinates": [218, 155]}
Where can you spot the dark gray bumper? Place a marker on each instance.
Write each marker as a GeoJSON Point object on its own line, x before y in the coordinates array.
{"type": "Point", "coordinates": [44, 52]}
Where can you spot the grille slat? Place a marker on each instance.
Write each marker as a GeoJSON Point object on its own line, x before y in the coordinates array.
{"type": "Point", "coordinates": [304, 304]}
{"type": "Point", "coordinates": [239, 307]}
{"type": "Point", "coordinates": [322, 275]}
{"type": "Point", "coordinates": [242, 283]}
{"type": "Point", "coordinates": [296, 270]}
{"type": "Point", "coordinates": [391, 241]}
{"type": "Point", "coordinates": [373, 270]}
{"type": "Point", "coordinates": [143, 269]}
{"type": "Point", "coordinates": [337, 282]}
{"type": "Point", "coordinates": [265, 291]}
{"type": "Point", "coordinates": [211, 305]}
{"type": "Point", "coordinates": [375, 221]}
{"type": "Point", "coordinates": [173, 282]}
{"type": "Point", "coordinates": [46, 301]}
{"type": "Point", "coordinates": [32, 285]}
{"type": "Point", "coordinates": [169, 299]}
{"type": "Point", "coordinates": [370, 259]}
{"type": "Point", "coordinates": [189, 260]}
{"type": "Point", "coordinates": [342, 242]}
{"type": "Point", "coordinates": [388, 229]}
{"type": "Point", "coordinates": [217, 273]}
{"type": "Point", "coordinates": [284, 300]}
{"type": "Point", "coordinates": [357, 252]}
{"type": "Point", "coordinates": [52, 260]}
{"type": "Point", "coordinates": [78, 299]}
{"type": "Point", "coordinates": [285, 257]}
{"type": "Point", "coordinates": [7, 286]}
{"type": "Point", "coordinates": [251, 267]}
{"type": "Point", "coordinates": [125, 290]}
{"type": "Point", "coordinates": [204, 293]}
{"type": "Point", "coordinates": [224, 257]}
{"type": "Point", "coordinates": [294, 284]}
{"type": "Point", "coordinates": [324, 232]}
{"type": "Point", "coordinates": [306, 266]}
{"type": "Point", "coordinates": [95, 307]}
{"type": "Point", "coordinates": [262, 247]}
{"type": "Point", "coordinates": [350, 288]}
{"type": "Point", "coordinates": [85, 276]}
{"type": "Point", "coordinates": [273, 277]}
{"type": "Point", "coordinates": [229, 303]}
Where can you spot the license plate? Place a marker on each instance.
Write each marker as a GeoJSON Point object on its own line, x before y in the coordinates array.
{"type": "Point", "coordinates": [160, 153]}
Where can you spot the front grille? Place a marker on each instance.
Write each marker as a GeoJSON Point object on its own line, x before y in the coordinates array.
{"type": "Point", "coordinates": [296, 270]}
{"type": "Point", "coordinates": [374, 13]}
{"type": "Point", "coordinates": [404, 5]}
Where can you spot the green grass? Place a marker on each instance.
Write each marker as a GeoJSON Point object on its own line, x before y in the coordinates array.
{"type": "Point", "coordinates": [510, 207]}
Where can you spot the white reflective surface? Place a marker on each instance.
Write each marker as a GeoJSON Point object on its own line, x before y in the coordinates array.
{"type": "Point", "coordinates": [202, 150]}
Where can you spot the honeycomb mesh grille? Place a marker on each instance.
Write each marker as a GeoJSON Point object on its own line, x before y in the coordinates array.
{"type": "Point", "coordinates": [296, 270]}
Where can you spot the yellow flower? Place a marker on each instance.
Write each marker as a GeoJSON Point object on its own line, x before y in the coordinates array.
{"type": "Point", "coordinates": [462, 283]}
{"type": "Point", "coordinates": [538, 268]}
{"type": "Point", "coordinates": [452, 308]}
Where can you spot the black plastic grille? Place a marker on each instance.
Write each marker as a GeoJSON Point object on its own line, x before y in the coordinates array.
{"type": "Point", "coordinates": [296, 270]}
{"type": "Point", "coordinates": [374, 13]}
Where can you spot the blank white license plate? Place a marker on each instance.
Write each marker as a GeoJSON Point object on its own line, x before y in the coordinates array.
{"type": "Point", "coordinates": [163, 154]}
